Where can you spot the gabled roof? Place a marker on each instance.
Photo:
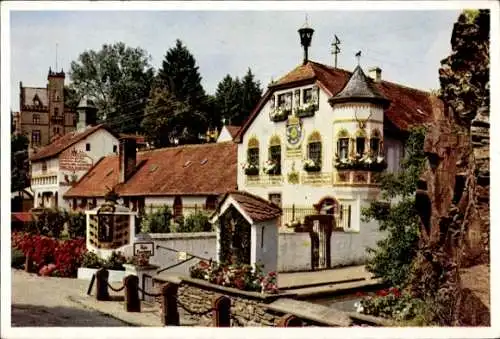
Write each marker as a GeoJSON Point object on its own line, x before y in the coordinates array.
{"type": "Point", "coordinates": [408, 106]}
{"type": "Point", "coordinates": [257, 208]}
{"type": "Point", "coordinates": [66, 141]}
{"type": "Point", "coordinates": [29, 93]}
{"type": "Point", "coordinates": [233, 130]}
{"type": "Point", "coordinates": [207, 169]}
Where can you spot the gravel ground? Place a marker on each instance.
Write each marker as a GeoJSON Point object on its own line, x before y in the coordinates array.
{"type": "Point", "coordinates": [43, 301]}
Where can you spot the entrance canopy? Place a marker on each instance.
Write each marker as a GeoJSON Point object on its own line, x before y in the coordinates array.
{"type": "Point", "coordinates": [251, 207]}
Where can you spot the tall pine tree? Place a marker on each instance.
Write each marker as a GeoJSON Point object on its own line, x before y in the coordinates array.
{"type": "Point", "coordinates": [235, 98]}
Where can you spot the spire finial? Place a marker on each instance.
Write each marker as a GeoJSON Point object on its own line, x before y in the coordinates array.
{"type": "Point", "coordinates": [307, 21]}
{"type": "Point", "coordinates": [358, 56]}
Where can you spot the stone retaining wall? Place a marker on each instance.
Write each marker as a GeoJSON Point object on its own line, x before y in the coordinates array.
{"type": "Point", "coordinates": [247, 309]}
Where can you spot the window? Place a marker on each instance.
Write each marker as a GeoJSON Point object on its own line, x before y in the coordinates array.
{"type": "Point", "coordinates": [44, 166]}
{"type": "Point", "coordinates": [275, 198]}
{"type": "Point", "coordinates": [282, 100]}
{"type": "Point", "coordinates": [211, 202]}
{"type": "Point", "coordinates": [314, 148]}
{"type": "Point", "coordinates": [35, 137]}
{"type": "Point", "coordinates": [275, 155]}
{"type": "Point", "coordinates": [343, 148]}
{"type": "Point", "coordinates": [36, 119]}
{"type": "Point", "coordinates": [375, 146]}
{"type": "Point", "coordinates": [56, 130]}
{"type": "Point", "coordinates": [87, 147]}
{"type": "Point", "coordinates": [307, 95]}
{"type": "Point", "coordinates": [314, 152]}
{"type": "Point", "coordinates": [360, 146]}
{"type": "Point", "coordinates": [115, 148]}
{"type": "Point", "coordinates": [56, 111]}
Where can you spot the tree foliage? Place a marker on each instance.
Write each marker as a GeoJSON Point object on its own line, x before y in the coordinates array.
{"type": "Point", "coordinates": [118, 79]}
{"type": "Point", "coordinates": [393, 255]}
{"type": "Point", "coordinates": [178, 110]}
{"type": "Point", "coordinates": [19, 162]}
{"type": "Point", "coordinates": [235, 98]}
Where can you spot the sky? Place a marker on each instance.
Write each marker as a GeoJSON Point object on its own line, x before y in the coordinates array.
{"type": "Point", "coordinates": [406, 45]}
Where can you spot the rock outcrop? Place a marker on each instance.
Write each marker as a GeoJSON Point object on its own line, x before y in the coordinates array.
{"type": "Point", "coordinates": [453, 193]}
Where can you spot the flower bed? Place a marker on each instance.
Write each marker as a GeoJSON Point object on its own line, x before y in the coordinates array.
{"type": "Point", "coordinates": [51, 256]}
{"type": "Point", "coordinates": [243, 277]}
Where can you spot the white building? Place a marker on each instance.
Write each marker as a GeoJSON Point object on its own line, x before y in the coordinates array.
{"type": "Point", "coordinates": [57, 166]}
{"type": "Point", "coordinates": [319, 135]}
{"type": "Point", "coordinates": [185, 178]}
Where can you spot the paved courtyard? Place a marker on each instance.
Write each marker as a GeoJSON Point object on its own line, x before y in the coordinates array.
{"type": "Point", "coordinates": [43, 301]}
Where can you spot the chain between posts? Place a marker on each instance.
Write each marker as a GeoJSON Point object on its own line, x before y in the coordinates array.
{"type": "Point", "coordinates": [185, 308]}
{"type": "Point", "coordinates": [154, 295]}
{"type": "Point", "coordinates": [116, 289]}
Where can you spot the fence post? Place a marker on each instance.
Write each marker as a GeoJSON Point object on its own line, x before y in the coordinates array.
{"type": "Point", "coordinates": [169, 312]}
{"type": "Point", "coordinates": [289, 320]}
{"type": "Point", "coordinates": [101, 277]}
{"type": "Point", "coordinates": [221, 315]}
{"type": "Point", "coordinates": [28, 264]}
{"type": "Point", "coordinates": [132, 301]}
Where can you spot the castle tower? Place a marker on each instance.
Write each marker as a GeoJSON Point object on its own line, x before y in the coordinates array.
{"type": "Point", "coordinates": [358, 130]}
{"type": "Point", "coordinates": [55, 93]}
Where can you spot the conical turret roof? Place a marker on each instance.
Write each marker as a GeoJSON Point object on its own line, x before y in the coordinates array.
{"type": "Point", "coordinates": [360, 88]}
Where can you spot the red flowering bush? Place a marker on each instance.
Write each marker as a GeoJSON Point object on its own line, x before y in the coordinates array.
{"type": "Point", "coordinates": [243, 277]}
{"type": "Point", "coordinates": [66, 255]}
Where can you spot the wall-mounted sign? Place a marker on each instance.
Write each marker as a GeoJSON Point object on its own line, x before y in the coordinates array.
{"type": "Point", "coordinates": [147, 248]}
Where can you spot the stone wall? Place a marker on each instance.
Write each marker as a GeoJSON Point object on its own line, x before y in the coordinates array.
{"type": "Point", "coordinates": [247, 307]}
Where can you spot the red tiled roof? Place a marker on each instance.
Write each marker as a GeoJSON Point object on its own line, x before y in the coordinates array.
{"type": "Point", "coordinates": [257, 208]}
{"type": "Point", "coordinates": [233, 130]}
{"type": "Point", "coordinates": [408, 106]}
{"type": "Point", "coordinates": [208, 169]}
{"type": "Point", "coordinates": [65, 142]}
{"type": "Point", "coordinates": [21, 217]}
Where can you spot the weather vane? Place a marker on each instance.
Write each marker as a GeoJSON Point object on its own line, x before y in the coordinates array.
{"type": "Point", "coordinates": [358, 56]}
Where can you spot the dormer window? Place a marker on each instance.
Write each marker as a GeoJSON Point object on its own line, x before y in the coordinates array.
{"type": "Point", "coordinates": [307, 95]}
{"type": "Point", "coordinates": [282, 100]}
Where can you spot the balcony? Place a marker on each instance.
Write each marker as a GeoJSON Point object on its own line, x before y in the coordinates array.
{"type": "Point", "coordinates": [57, 120]}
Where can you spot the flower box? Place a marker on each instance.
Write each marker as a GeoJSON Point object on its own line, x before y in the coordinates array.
{"type": "Point", "coordinates": [272, 168]}
{"type": "Point", "coordinates": [307, 110]}
{"type": "Point", "coordinates": [365, 163]}
{"type": "Point", "coordinates": [280, 114]}
{"type": "Point", "coordinates": [252, 170]}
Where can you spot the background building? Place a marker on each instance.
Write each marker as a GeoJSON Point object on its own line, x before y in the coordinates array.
{"type": "Point", "coordinates": [43, 116]}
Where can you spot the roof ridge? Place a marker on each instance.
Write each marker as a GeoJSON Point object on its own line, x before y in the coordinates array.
{"type": "Point", "coordinates": [211, 144]}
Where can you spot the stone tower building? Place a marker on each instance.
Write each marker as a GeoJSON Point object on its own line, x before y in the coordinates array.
{"type": "Point", "coordinates": [43, 115]}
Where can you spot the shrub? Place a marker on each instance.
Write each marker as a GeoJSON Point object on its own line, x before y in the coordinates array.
{"type": "Point", "coordinates": [48, 222]}
{"type": "Point", "coordinates": [17, 258]}
{"type": "Point", "coordinates": [115, 262]}
{"type": "Point", "coordinates": [76, 224]}
{"type": "Point", "coordinates": [91, 260]}
{"type": "Point", "coordinates": [158, 221]}
{"type": "Point", "coordinates": [196, 222]}
{"type": "Point", "coordinates": [393, 304]}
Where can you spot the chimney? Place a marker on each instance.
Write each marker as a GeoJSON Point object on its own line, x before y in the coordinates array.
{"type": "Point", "coordinates": [375, 73]}
{"type": "Point", "coordinates": [128, 159]}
